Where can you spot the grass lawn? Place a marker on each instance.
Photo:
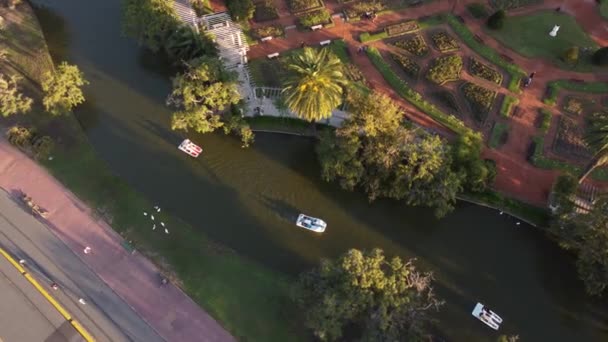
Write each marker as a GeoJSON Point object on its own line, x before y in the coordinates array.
{"type": "Point", "coordinates": [529, 36]}
{"type": "Point", "coordinates": [249, 300]}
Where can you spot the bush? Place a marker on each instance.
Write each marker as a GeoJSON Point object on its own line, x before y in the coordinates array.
{"type": "Point", "coordinates": [240, 10]}
{"type": "Point", "coordinates": [268, 31]}
{"type": "Point", "coordinates": [477, 10]}
{"type": "Point", "coordinates": [507, 105]}
{"type": "Point", "coordinates": [545, 120]}
{"type": "Point", "coordinates": [401, 28]}
{"type": "Point", "coordinates": [319, 17]}
{"type": "Point", "coordinates": [445, 69]}
{"type": "Point", "coordinates": [571, 55]}
{"type": "Point", "coordinates": [407, 65]}
{"type": "Point", "coordinates": [42, 146]}
{"type": "Point", "coordinates": [265, 10]}
{"type": "Point", "coordinates": [600, 57]}
{"type": "Point", "coordinates": [414, 45]}
{"type": "Point", "coordinates": [476, 68]}
{"type": "Point", "coordinates": [444, 42]}
{"type": "Point", "coordinates": [500, 134]}
{"type": "Point", "coordinates": [20, 136]}
{"type": "Point", "coordinates": [497, 20]}
{"type": "Point", "coordinates": [480, 99]}
{"type": "Point", "coordinates": [298, 6]}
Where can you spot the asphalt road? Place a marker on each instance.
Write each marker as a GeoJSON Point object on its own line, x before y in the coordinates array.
{"type": "Point", "coordinates": [26, 316]}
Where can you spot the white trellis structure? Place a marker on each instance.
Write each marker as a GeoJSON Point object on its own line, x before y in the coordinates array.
{"type": "Point", "coordinates": [228, 36]}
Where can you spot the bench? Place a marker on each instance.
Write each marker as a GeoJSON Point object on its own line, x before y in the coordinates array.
{"type": "Point", "coordinates": [273, 55]}
{"type": "Point", "coordinates": [478, 39]}
{"type": "Point", "coordinates": [325, 42]}
{"type": "Point", "coordinates": [316, 27]}
{"type": "Point", "coordinates": [265, 39]}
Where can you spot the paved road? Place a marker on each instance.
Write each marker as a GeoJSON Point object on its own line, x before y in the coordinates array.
{"type": "Point", "coordinates": [48, 259]}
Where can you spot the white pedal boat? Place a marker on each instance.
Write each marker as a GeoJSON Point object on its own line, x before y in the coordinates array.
{"type": "Point", "coordinates": [190, 148]}
{"type": "Point", "coordinates": [311, 223]}
{"type": "Point", "coordinates": [488, 317]}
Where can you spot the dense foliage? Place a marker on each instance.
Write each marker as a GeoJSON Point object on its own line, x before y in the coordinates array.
{"type": "Point", "coordinates": [375, 152]}
{"type": "Point", "coordinates": [483, 71]}
{"type": "Point", "coordinates": [444, 42]}
{"type": "Point", "coordinates": [149, 21]}
{"type": "Point", "coordinates": [240, 10]}
{"type": "Point", "coordinates": [414, 45]}
{"type": "Point", "coordinates": [600, 57]}
{"type": "Point", "coordinates": [480, 99]}
{"type": "Point", "coordinates": [318, 17]}
{"type": "Point", "coordinates": [445, 69]}
{"type": "Point", "coordinates": [298, 6]}
{"type": "Point", "coordinates": [265, 10]}
{"type": "Point", "coordinates": [268, 31]}
{"type": "Point", "coordinates": [382, 299]}
{"type": "Point", "coordinates": [407, 65]}
{"type": "Point", "coordinates": [184, 44]}
{"type": "Point", "coordinates": [597, 140]}
{"type": "Point", "coordinates": [62, 89]}
{"type": "Point", "coordinates": [478, 10]}
{"type": "Point", "coordinates": [12, 101]}
{"type": "Point", "coordinates": [478, 174]}
{"type": "Point", "coordinates": [314, 87]}
{"type": "Point", "coordinates": [497, 20]}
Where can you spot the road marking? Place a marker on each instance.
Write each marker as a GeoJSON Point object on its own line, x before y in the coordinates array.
{"type": "Point", "coordinates": [81, 330]}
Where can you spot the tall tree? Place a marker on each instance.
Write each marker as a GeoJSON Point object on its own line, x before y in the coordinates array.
{"type": "Point", "coordinates": [466, 154]}
{"type": "Point", "coordinates": [597, 140]}
{"type": "Point", "coordinates": [62, 89]}
{"type": "Point", "coordinates": [389, 300]}
{"type": "Point", "coordinates": [12, 101]}
{"type": "Point", "coordinates": [202, 90]}
{"type": "Point", "coordinates": [149, 21]}
{"type": "Point", "coordinates": [373, 150]}
{"type": "Point", "coordinates": [314, 87]}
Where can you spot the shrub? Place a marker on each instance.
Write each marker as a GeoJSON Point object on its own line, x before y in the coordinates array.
{"type": "Point", "coordinates": [600, 57]}
{"type": "Point", "coordinates": [507, 105]}
{"type": "Point", "coordinates": [414, 45]}
{"type": "Point", "coordinates": [20, 136]}
{"type": "Point", "coordinates": [318, 17]}
{"type": "Point", "coordinates": [476, 68]}
{"type": "Point", "coordinates": [444, 42]}
{"type": "Point", "coordinates": [352, 72]}
{"type": "Point", "coordinates": [571, 55]}
{"type": "Point", "coordinates": [265, 10]}
{"type": "Point", "coordinates": [477, 10]}
{"type": "Point", "coordinates": [500, 134]}
{"type": "Point", "coordinates": [42, 146]}
{"type": "Point", "coordinates": [480, 100]}
{"type": "Point", "coordinates": [545, 120]}
{"type": "Point", "coordinates": [401, 28]}
{"type": "Point", "coordinates": [497, 20]}
{"type": "Point", "coordinates": [445, 69]}
{"type": "Point", "coordinates": [240, 10]}
{"type": "Point", "coordinates": [407, 65]}
{"type": "Point", "coordinates": [268, 31]}
{"type": "Point", "coordinates": [573, 105]}
{"type": "Point", "coordinates": [298, 6]}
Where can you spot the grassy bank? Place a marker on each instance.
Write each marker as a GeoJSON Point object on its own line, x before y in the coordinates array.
{"type": "Point", "coordinates": [248, 300]}
{"type": "Point", "coordinates": [536, 216]}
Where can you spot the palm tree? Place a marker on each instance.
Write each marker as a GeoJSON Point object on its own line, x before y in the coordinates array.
{"type": "Point", "coordinates": [185, 44]}
{"type": "Point", "coordinates": [597, 139]}
{"type": "Point", "coordinates": [314, 88]}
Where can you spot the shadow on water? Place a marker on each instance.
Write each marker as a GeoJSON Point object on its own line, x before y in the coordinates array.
{"type": "Point", "coordinates": [281, 208]}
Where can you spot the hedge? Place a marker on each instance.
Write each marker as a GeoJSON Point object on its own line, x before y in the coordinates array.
{"type": "Point", "coordinates": [546, 117]}
{"type": "Point", "coordinates": [507, 105]}
{"type": "Point", "coordinates": [412, 96]}
{"type": "Point", "coordinates": [499, 131]}
{"type": "Point", "coordinates": [554, 87]}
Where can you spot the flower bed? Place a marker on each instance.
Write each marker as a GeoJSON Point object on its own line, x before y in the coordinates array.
{"type": "Point", "coordinates": [318, 17]}
{"type": "Point", "coordinates": [265, 11]}
{"type": "Point", "coordinates": [352, 72]}
{"type": "Point", "coordinates": [476, 68]}
{"type": "Point", "coordinates": [445, 69]}
{"type": "Point", "coordinates": [402, 28]}
{"type": "Point", "coordinates": [444, 42]}
{"type": "Point", "coordinates": [357, 10]}
{"type": "Point", "coordinates": [512, 4]}
{"type": "Point", "coordinates": [573, 105]}
{"type": "Point", "coordinates": [569, 138]}
{"type": "Point", "coordinates": [414, 45]}
{"type": "Point", "coordinates": [407, 65]}
{"type": "Point", "coordinates": [268, 31]}
{"type": "Point", "coordinates": [480, 99]}
{"type": "Point", "coordinates": [500, 135]}
{"type": "Point", "coordinates": [302, 6]}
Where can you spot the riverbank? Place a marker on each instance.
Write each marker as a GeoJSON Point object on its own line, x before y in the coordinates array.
{"type": "Point", "coordinates": [249, 300]}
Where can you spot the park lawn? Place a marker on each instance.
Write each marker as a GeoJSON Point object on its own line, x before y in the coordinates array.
{"type": "Point", "coordinates": [250, 301]}
{"type": "Point", "coordinates": [604, 9]}
{"type": "Point", "coordinates": [529, 36]}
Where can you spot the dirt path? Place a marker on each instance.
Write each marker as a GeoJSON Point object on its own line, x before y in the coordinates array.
{"type": "Point", "coordinates": [133, 277]}
{"type": "Point", "coordinates": [516, 177]}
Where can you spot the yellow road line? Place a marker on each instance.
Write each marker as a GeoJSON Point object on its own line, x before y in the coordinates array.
{"type": "Point", "coordinates": [81, 330]}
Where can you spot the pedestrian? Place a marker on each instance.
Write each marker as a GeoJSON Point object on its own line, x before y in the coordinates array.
{"type": "Point", "coordinates": [360, 49]}
{"type": "Point", "coordinates": [54, 286]}
{"type": "Point", "coordinates": [532, 74]}
{"type": "Point", "coordinates": [87, 250]}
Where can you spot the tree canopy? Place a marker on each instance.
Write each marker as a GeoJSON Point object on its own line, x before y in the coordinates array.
{"type": "Point", "coordinates": [184, 44]}
{"type": "Point", "coordinates": [240, 10]}
{"type": "Point", "coordinates": [597, 140]}
{"type": "Point", "coordinates": [373, 150]}
{"type": "Point", "coordinates": [12, 101]}
{"type": "Point", "coordinates": [62, 89]}
{"type": "Point", "coordinates": [478, 174]}
{"type": "Point", "coordinates": [384, 300]}
{"type": "Point", "coordinates": [314, 86]}
{"type": "Point", "coordinates": [149, 21]}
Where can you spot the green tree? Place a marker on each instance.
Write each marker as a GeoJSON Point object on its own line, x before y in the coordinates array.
{"type": "Point", "coordinates": [149, 21]}
{"type": "Point", "coordinates": [314, 87]}
{"type": "Point", "coordinates": [571, 55]}
{"type": "Point", "coordinates": [466, 153]}
{"type": "Point", "coordinates": [388, 299]}
{"type": "Point", "coordinates": [12, 101]}
{"type": "Point", "coordinates": [241, 10]}
{"type": "Point", "coordinates": [497, 20]}
{"type": "Point", "coordinates": [62, 89]}
{"type": "Point", "coordinates": [185, 44]}
{"type": "Point", "coordinates": [373, 150]}
{"type": "Point", "coordinates": [199, 93]}
{"type": "Point", "coordinates": [600, 57]}
{"type": "Point", "coordinates": [597, 140]}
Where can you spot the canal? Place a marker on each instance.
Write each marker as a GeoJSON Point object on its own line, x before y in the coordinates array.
{"type": "Point", "coordinates": [248, 198]}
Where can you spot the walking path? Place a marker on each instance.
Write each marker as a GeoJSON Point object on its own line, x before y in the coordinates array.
{"type": "Point", "coordinates": [133, 277]}
{"type": "Point", "coordinates": [516, 177]}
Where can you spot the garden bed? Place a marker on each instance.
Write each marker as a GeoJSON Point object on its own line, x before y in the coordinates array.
{"type": "Point", "coordinates": [513, 4]}
{"type": "Point", "coordinates": [569, 139]}
{"type": "Point", "coordinates": [444, 42]}
{"type": "Point", "coordinates": [298, 7]}
{"type": "Point", "coordinates": [264, 11]}
{"type": "Point", "coordinates": [414, 44]}
{"type": "Point", "coordinates": [500, 135]}
{"type": "Point", "coordinates": [573, 105]}
{"type": "Point", "coordinates": [448, 100]}
{"type": "Point", "coordinates": [402, 28]}
{"type": "Point", "coordinates": [543, 121]}
{"type": "Point", "coordinates": [508, 104]}
{"type": "Point", "coordinates": [480, 100]}
{"type": "Point", "coordinates": [554, 87]}
{"type": "Point", "coordinates": [478, 69]}
{"type": "Point", "coordinates": [407, 65]}
{"type": "Point", "coordinates": [314, 18]}
{"type": "Point", "coordinates": [445, 69]}
{"type": "Point", "coordinates": [267, 31]}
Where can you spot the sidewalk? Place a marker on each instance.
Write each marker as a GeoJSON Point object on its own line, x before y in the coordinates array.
{"type": "Point", "coordinates": [135, 279]}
